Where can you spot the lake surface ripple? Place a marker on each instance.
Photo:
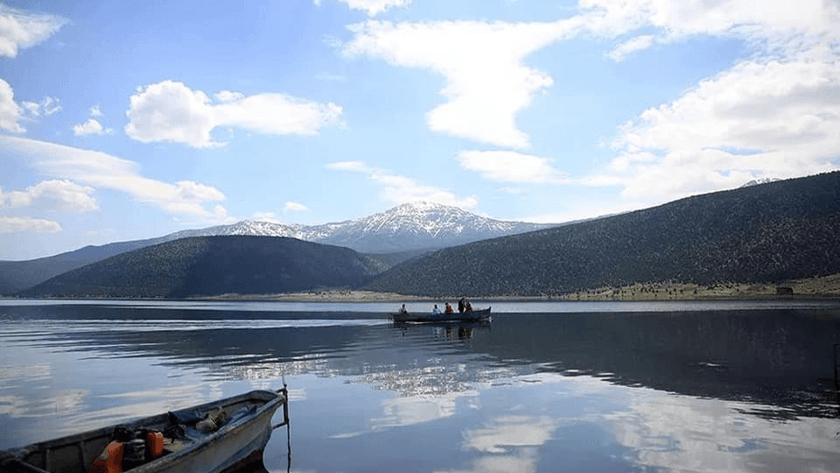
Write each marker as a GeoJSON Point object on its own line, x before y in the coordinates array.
{"type": "Point", "coordinates": [691, 386]}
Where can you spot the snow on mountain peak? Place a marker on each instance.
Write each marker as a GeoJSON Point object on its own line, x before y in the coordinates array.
{"type": "Point", "coordinates": [409, 226]}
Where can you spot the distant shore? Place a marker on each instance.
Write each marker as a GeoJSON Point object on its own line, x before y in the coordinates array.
{"type": "Point", "coordinates": [827, 287]}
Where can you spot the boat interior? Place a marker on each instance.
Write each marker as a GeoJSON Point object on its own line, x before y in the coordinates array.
{"type": "Point", "coordinates": [180, 429]}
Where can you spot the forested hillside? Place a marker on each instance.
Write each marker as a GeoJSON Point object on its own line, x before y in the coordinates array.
{"type": "Point", "coordinates": [214, 265]}
{"type": "Point", "coordinates": [764, 233]}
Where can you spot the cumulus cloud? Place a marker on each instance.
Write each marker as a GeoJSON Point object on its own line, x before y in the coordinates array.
{"type": "Point", "coordinates": [20, 29]}
{"type": "Point", "coordinates": [90, 127]}
{"type": "Point", "coordinates": [171, 111]}
{"type": "Point", "coordinates": [371, 7]}
{"type": "Point", "coordinates": [772, 115]}
{"type": "Point", "coordinates": [396, 189]}
{"type": "Point", "coordinates": [103, 171]}
{"type": "Point", "coordinates": [23, 224]}
{"type": "Point", "coordinates": [10, 111]}
{"type": "Point", "coordinates": [511, 166]}
{"type": "Point", "coordinates": [487, 83]}
{"type": "Point", "coordinates": [759, 119]}
{"type": "Point", "coordinates": [54, 194]}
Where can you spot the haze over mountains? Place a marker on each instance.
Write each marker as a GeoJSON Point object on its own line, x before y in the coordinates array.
{"type": "Point", "coordinates": [768, 232]}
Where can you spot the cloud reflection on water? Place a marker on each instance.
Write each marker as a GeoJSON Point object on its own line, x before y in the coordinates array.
{"type": "Point", "coordinates": [533, 393]}
{"type": "Point", "coordinates": [683, 432]}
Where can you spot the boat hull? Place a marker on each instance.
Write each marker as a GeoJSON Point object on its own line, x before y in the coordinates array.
{"type": "Point", "coordinates": [481, 315]}
{"type": "Point", "coordinates": [232, 444]}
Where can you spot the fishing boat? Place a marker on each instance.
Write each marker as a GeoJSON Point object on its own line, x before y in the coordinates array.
{"type": "Point", "coordinates": [210, 438]}
{"type": "Point", "coordinates": [479, 315]}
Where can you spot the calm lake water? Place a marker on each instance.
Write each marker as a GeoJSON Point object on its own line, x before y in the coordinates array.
{"type": "Point", "coordinates": [723, 386]}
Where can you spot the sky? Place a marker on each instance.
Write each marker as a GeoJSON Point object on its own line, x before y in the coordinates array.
{"type": "Point", "coordinates": [124, 120]}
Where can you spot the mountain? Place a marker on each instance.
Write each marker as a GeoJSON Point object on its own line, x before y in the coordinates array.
{"type": "Point", "coordinates": [200, 266]}
{"type": "Point", "coordinates": [405, 228]}
{"type": "Point", "coordinates": [763, 233]}
{"type": "Point", "coordinates": [417, 226]}
{"type": "Point", "coordinates": [18, 275]}
{"type": "Point", "coordinates": [765, 180]}
{"type": "Point", "coordinates": [404, 231]}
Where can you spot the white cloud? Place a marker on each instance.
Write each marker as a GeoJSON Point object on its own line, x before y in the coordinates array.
{"type": "Point", "coordinates": [10, 111]}
{"type": "Point", "coordinates": [396, 189]}
{"type": "Point", "coordinates": [265, 217]}
{"type": "Point", "coordinates": [95, 112]}
{"type": "Point", "coordinates": [772, 115]}
{"type": "Point", "coordinates": [103, 171]}
{"type": "Point", "coordinates": [56, 194]}
{"type": "Point", "coordinates": [25, 224]}
{"type": "Point", "coordinates": [372, 7]}
{"type": "Point", "coordinates": [294, 207]}
{"type": "Point", "coordinates": [510, 431]}
{"type": "Point", "coordinates": [171, 111]}
{"type": "Point", "coordinates": [630, 46]}
{"type": "Point", "coordinates": [487, 83]}
{"type": "Point", "coordinates": [758, 119]}
{"type": "Point", "coordinates": [679, 18]}
{"type": "Point", "coordinates": [46, 107]}
{"type": "Point", "coordinates": [90, 127]}
{"type": "Point", "coordinates": [511, 166]}
{"type": "Point", "coordinates": [19, 29]}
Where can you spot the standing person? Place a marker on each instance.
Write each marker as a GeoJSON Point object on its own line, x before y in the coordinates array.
{"type": "Point", "coordinates": [403, 310]}
{"type": "Point", "coordinates": [461, 305]}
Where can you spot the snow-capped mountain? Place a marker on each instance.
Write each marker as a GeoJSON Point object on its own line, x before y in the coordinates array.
{"type": "Point", "coordinates": [765, 180]}
{"type": "Point", "coordinates": [408, 227]}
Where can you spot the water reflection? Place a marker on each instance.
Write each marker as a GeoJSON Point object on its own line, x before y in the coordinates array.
{"type": "Point", "coordinates": [687, 390]}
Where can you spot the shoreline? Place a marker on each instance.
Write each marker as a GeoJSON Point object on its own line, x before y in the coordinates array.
{"type": "Point", "coordinates": [817, 288]}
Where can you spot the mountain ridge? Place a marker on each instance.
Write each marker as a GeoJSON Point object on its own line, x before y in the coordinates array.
{"type": "Point", "coordinates": [212, 265]}
{"type": "Point", "coordinates": [764, 233]}
{"type": "Point", "coordinates": [401, 232]}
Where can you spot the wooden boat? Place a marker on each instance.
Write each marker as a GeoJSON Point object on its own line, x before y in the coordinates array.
{"type": "Point", "coordinates": [189, 442]}
{"type": "Point", "coordinates": [472, 316]}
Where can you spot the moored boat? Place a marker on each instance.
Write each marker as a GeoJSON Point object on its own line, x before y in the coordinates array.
{"type": "Point", "coordinates": [208, 438]}
{"type": "Point", "coordinates": [470, 316]}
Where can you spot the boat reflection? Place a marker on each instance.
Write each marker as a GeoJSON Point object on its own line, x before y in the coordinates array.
{"type": "Point", "coordinates": [445, 330]}
{"type": "Point", "coordinates": [776, 358]}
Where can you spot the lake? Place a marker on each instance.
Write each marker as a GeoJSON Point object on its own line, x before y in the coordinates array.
{"type": "Point", "coordinates": [546, 386]}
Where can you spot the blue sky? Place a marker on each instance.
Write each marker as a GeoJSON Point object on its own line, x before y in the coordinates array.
{"type": "Point", "coordinates": [128, 120]}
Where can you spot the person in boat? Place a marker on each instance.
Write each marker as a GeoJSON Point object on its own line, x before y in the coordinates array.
{"type": "Point", "coordinates": [468, 306]}
{"type": "Point", "coordinates": [461, 305]}
{"type": "Point", "coordinates": [403, 310]}
{"type": "Point", "coordinates": [448, 308]}
{"type": "Point", "coordinates": [435, 310]}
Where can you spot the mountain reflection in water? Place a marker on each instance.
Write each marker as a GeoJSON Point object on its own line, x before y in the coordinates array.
{"type": "Point", "coordinates": [696, 390]}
